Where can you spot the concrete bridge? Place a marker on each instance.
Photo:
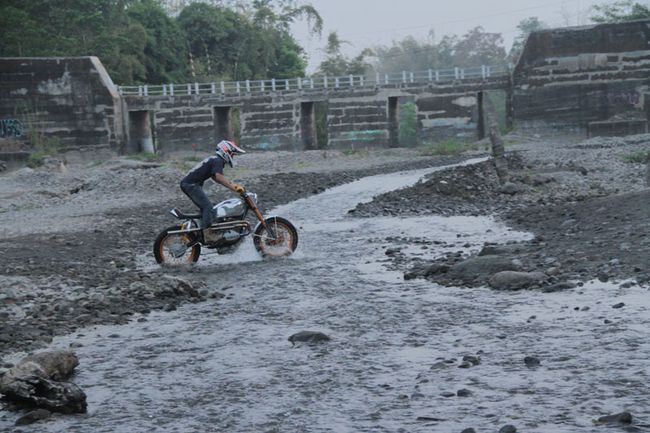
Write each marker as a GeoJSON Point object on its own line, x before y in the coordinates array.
{"type": "Point", "coordinates": [308, 113]}
{"type": "Point", "coordinates": [592, 80]}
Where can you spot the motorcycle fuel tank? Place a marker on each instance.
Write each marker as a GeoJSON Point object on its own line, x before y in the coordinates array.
{"type": "Point", "coordinates": [229, 208]}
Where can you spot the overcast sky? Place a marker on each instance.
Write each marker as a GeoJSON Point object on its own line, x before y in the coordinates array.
{"type": "Point", "coordinates": [367, 23]}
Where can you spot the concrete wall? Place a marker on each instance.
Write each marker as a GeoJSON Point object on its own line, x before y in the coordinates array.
{"type": "Point", "coordinates": [568, 78]}
{"type": "Point", "coordinates": [69, 101]}
{"type": "Point", "coordinates": [355, 116]}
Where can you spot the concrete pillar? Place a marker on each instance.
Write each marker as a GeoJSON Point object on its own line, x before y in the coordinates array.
{"type": "Point", "coordinates": [308, 126]}
{"type": "Point", "coordinates": [393, 121]}
{"type": "Point", "coordinates": [140, 132]}
{"type": "Point", "coordinates": [480, 121]}
{"type": "Point", "coordinates": [223, 123]}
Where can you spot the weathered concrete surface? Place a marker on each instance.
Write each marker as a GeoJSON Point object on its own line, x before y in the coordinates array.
{"type": "Point", "coordinates": [568, 78]}
{"type": "Point", "coordinates": [355, 116]}
{"type": "Point", "coordinates": [68, 101]}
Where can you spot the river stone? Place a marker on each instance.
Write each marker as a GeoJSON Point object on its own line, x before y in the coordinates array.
{"type": "Point", "coordinates": [36, 382]}
{"type": "Point", "coordinates": [468, 430]}
{"type": "Point", "coordinates": [509, 188]}
{"type": "Point", "coordinates": [33, 416]}
{"type": "Point", "coordinates": [513, 280]}
{"type": "Point", "coordinates": [619, 418]}
{"type": "Point", "coordinates": [308, 337]}
{"type": "Point", "coordinates": [482, 265]}
{"type": "Point", "coordinates": [508, 428]}
{"type": "Point", "coordinates": [531, 361]}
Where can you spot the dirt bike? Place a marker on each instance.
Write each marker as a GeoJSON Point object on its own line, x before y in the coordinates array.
{"type": "Point", "coordinates": [273, 236]}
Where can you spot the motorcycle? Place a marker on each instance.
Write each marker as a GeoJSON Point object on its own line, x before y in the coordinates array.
{"type": "Point", "coordinates": [273, 236]}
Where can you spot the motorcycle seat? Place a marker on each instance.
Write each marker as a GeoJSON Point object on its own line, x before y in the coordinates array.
{"type": "Point", "coordinates": [182, 215]}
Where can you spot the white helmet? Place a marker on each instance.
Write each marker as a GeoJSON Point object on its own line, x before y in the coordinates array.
{"type": "Point", "coordinates": [227, 149]}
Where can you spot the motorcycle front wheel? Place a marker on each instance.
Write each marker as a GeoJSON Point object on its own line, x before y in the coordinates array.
{"type": "Point", "coordinates": [282, 244]}
{"type": "Point", "coordinates": [176, 248]}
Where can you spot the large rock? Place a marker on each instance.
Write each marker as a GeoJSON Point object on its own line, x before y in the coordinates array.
{"type": "Point", "coordinates": [514, 280]}
{"type": "Point", "coordinates": [37, 380]}
{"type": "Point", "coordinates": [474, 267]}
{"type": "Point", "coordinates": [308, 337]}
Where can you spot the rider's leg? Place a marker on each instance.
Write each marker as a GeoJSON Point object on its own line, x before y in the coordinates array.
{"type": "Point", "coordinates": [198, 197]}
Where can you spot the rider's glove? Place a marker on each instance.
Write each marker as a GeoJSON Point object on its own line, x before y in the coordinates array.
{"type": "Point", "coordinates": [238, 188]}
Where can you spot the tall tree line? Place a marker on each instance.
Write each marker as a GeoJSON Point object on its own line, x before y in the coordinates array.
{"type": "Point", "coordinates": [139, 42]}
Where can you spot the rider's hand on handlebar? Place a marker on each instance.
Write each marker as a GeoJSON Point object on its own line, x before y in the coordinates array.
{"type": "Point", "coordinates": [238, 188]}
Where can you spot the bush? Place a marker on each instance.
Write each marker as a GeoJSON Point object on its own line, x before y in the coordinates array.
{"type": "Point", "coordinates": [638, 157]}
{"type": "Point", "coordinates": [408, 127]}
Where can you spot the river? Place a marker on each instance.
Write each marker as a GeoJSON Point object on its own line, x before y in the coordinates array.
{"type": "Point", "coordinates": [393, 362]}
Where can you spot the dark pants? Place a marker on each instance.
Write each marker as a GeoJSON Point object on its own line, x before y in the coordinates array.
{"type": "Point", "coordinates": [195, 192]}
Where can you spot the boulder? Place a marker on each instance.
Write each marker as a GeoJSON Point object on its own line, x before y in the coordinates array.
{"type": "Point", "coordinates": [308, 337]}
{"type": "Point", "coordinates": [33, 416]}
{"type": "Point", "coordinates": [482, 265]}
{"type": "Point", "coordinates": [619, 418]}
{"type": "Point", "coordinates": [37, 381]}
{"type": "Point", "coordinates": [514, 280]}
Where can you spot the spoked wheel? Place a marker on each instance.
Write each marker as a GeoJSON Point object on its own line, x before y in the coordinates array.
{"type": "Point", "coordinates": [177, 248]}
{"type": "Point", "coordinates": [282, 244]}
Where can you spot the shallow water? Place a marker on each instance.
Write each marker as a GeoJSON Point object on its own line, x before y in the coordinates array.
{"type": "Point", "coordinates": [227, 365]}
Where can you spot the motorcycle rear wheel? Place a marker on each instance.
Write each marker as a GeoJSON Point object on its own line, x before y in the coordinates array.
{"type": "Point", "coordinates": [174, 249]}
{"type": "Point", "coordinates": [284, 243]}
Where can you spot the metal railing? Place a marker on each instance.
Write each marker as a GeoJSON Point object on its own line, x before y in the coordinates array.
{"type": "Point", "coordinates": [315, 82]}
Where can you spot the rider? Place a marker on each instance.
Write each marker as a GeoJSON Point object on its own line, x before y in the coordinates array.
{"type": "Point", "coordinates": [211, 168]}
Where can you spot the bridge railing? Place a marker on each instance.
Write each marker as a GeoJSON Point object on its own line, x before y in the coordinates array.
{"type": "Point", "coordinates": [315, 82]}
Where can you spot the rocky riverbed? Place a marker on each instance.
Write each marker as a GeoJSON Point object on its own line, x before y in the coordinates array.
{"type": "Point", "coordinates": [72, 232]}
{"type": "Point", "coordinates": [393, 354]}
{"type": "Point", "coordinates": [586, 202]}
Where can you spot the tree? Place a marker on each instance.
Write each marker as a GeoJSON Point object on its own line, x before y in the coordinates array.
{"type": "Point", "coordinates": [337, 64]}
{"type": "Point", "coordinates": [525, 27]}
{"type": "Point", "coordinates": [620, 11]}
{"type": "Point", "coordinates": [76, 28]}
{"type": "Point", "coordinates": [408, 54]}
{"type": "Point", "coordinates": [166, 52]}
{"type": "Point", "coordinates": [478, 47]}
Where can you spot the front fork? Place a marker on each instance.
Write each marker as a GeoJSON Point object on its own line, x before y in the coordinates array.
{"type": "Point", "coordinates": [259, 215]}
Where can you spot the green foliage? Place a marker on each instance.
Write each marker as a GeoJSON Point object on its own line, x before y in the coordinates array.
{"type": "Point", "coordinates": [408, 132]}
{"type": "Point", "coordinates": [337, 64]}
{"type": "Point", "coordinates": [165, 50]}
{"type": "Point", "coordinates": [43, 147]}
{"type": "Point", "coordinates": [320, 118]}
{"type": "Point", "coordinates": [638, 157]}
{"type": "Point", "coordinates": [138, 41]}
{"type": "Point", "coordinates": [450, 146]}
{"type": "Point", "coordinates": [476, 47]}
{"type": "Point", "coordinates": [620, 11]}
{"type": "Point", "coordinates": [356, 153]}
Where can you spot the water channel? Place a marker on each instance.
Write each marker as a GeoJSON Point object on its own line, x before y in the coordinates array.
{"type": "Point", "coordinates": [226, 365]}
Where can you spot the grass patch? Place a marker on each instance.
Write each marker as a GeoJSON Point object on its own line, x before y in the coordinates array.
{"type": "Point", "coordinates": [145, 156]}
{"type": "Point", "coordinates": [446, 147]}
{"type": "Point", "coordinates": [44, 148]}
{"type": "Point", "coordinates": [193, 158]}
{"type": "Point", "coordinates": [638, 157]}
{"type": "Point", "coordinates": [357, 153]}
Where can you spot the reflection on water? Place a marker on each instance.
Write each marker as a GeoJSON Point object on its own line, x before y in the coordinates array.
{"type": "Point", "coordinates": [227, 365]}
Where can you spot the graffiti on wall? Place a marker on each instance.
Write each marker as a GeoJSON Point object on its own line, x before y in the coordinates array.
{"type": "Point", "coordinates": [624, 98]}
{"type": "Point", "coordinates": [11, 128]}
